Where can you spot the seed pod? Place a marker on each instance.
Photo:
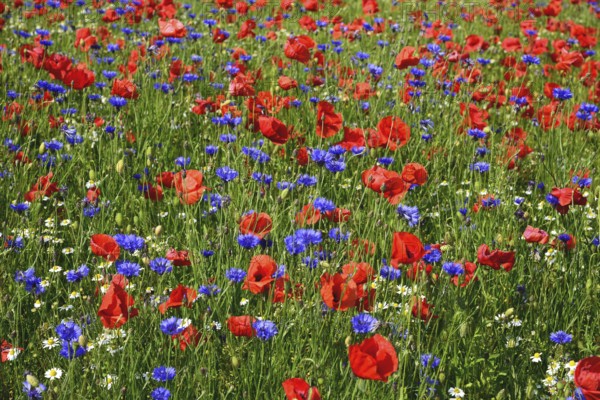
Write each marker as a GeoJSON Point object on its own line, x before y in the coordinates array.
{"type": "Point", "coordinates": [120, 166]}
{"type": "Point", "coordinates": [82, 340]}
{"type": "Point", "coordinates": [32, 380]}
{"type": "Point", "coordinates": [158, 230]}
{"type": "Point", "coordinates": [348, 341]}
{"type": "Point", "coordinates": [235, 362]}
{"type": "Point", "coordinates": [42, 148]}
{"type": "Point", "coordinates": [92, 175]}
{"type": "Point", "coordinates": [119, 219]}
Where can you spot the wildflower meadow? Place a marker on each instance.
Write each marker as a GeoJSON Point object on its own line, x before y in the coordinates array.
{"type": "Point", "coordinates": [299, 199]}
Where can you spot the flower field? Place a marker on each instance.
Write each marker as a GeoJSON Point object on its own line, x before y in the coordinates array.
{"type": "Point", "coordinates": [299, 199]}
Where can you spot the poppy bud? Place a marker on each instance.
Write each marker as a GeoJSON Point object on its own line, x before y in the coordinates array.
{"type": "Point", "coordinates": [119, 219]}
{"type": "Point", "coordinates": [32, 380]}
{"type": "Point", "coordinates": [509, 312]}
{"type": "Point", "coordinates": [74, 225]}
{"type": "Point", "coordinates": [441, 377]}
{"type": "Point", "coordinates": [348, 341]}
{"type": "Point", "coordinates": [529, 390]}
{"type": "Point", "coordinates": [235, 362]}
{"type": "Point", "coordinates": [320, 381]}
{"type": "Point", "coordinates": [136, 220]}
{"type": "Point", "coordinates": [120, 166]}
{"type": "Point", "coordinates": [42, 148]}
{"type": "Point", "coordinates": [499, 238]}
{"type": "Point", "coordinates": [284, 193]}
{"type": "Point", "coordinates": [500, 395]}
{"type": "Point", "coordinates": [158, 230]}
{"type": "Point", "coordinates": [128, 228]}
{"type": "Point", "coordinates": [148, 151]}
{"type": "Point", "coordinates": [146, 260]}
{"type": "Point", "coordinates": [148, 162]}
{"type": "Point", "coordinates": [82, 340]}
{"type": "Point", "coordinates": [92, 175]}
{"type": "Point", "coordinates": [463, 330]}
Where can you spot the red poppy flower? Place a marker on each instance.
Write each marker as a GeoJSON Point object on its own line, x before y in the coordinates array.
{"type": "Point", "coordinates": [93, 194]}
{"type": "Point", "coordinates": [566, 197]}
{"type": "Point", "coordinates": [414, 173]}
{"type": "Point", "coordinates": [374, 358]}
{"type": "Point", "coordinates": [287, 83]}
{"type": "Point", "coordinates": [353, 137]}
{"type": "Point", "coordinates": [260, 274]}
{"type": "Point", "coordinates": [328, 121]}
{"type": "Point", "coordinates": [394, 189]}
{"type": "Point", "coordinates": [84, 39]}
{"type": "Point", "coordinates": [241, 86]}
{"type": "Point", "coordinates": [414, 272]}
{"type": "Point", "coordinates": [116, 307]}
{"type": "Point", "coordinates": [535, 235]}
{"type": "Point", "coordinates": [422, 310]}
{"type": "Point", "coordinates": [511, 44]}
{"type": "Point", "coordinates": [298, 48]}
{"type": "Point", "coordinates": [57, 65]}
{"type": "Point", "coordinates": [179, 258]}
{"type": "Point", "coordinates": [189, 337]}
{"type": "Point", "coordinates": [172, 28]}
{"type": "Point", "coordinates": [495, 259]}
{"type": "Point", "coordinates": [406, 58]}
{"type": "Point", "coordinates": [391, 132]}
{"type": "Point", "coordinates": [308, 216]}
{"type": "Point", "coordinates": [258, 224]}
{"type": "Point", "coordinates": [273, 129]}
{"type": "Point", "coordinates": [43, 187]}
{"type": "Point", "coordinates": [299, 389]}
{"type": "Point", "coordinates": [338, 291]}
{"type": "Point", "coordinates": [166, 179]}
{"type": "Point", "coordinates": [338, 215]}
{"type": "Point", "coordinates": [406, 249]}
{"type": "Point", "coordinates": [105, 246]}
{"type": "Point", "coordinates": [188, 185]}
{"type": "Point", "coordinates": [241, 325]}
{"type": "Point", "coordinates": [180, 296]}
{"type": "Point", "coordinates": [587, 377]}
{"type": "Point", "coordinates": [124, 88]}
{"type": "Point", "coordinates": [467, 277]}
{"type": "Point", "coordinates": [79, 77]}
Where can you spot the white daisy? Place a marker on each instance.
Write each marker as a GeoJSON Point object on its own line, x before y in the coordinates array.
{"type": "Point", "coordinates": [456, 393]}
{"type": "Point", "coordinates": [53, 373]}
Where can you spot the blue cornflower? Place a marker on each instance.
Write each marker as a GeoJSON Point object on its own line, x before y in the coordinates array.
{"type": "Point", "coordinates": [322, 204]}
{"type": "Point", "coordinates": [390, 273]}
{"type": "Point", "coordinates": [130, 243]}
{"type": "Point", "coordinates": [564, 237]}
{"type": "Point", "coordinates": [279, 273]}
{"type": "Point", "coordinates": [337, 235]}
{"type": "Point", "coordinates": [364, 323]}
{"type": "Point", "coordinates": [20, 207]}
{"type": "Point", "coordinates": [309, 236]}
{"type": "Point", "coordinates": [160, 393]}
{"type": "Point", "coordinates": [68, 331]}
{"type": "Point", "coordinates": [78, 275]}
{"type": "Point", "coordinates": [117, 102]}
{"type": "Point", "coordinates": [183, 161]}
{"type": "Point", "coordinates": [265, 329]}
{"type": "Point", "coordinates": [161, 265]}
{"type": "Point", "coordinates": [480, 166]}
{"type": "Point", "coordinates": [562, 94]}
{"type": "Point", "coordinates": [294, 245]}
{"type": "Point", "coordinates": [209, 290]}
{"type": "Point", "coordinates": [172, 326]}
{"type": "Point", "coordinates": [32, 282]}
{"type": "Point", "coordinates": [476, 133]}
{"type": "Point", "coordinates": [432, 255]}
{"type": "Point", "coordinates": [561, 337]}
{"type": "Point", "coordinates": [529, 59]}
{"type": "Point", "coordinates": [491, 202]}
{"type": "Point", "coordinates": [34, 392]}
{"type": "Point", "coordinates": [211, 150]}
{"type": "Point", "coordinates": [453, 268]}
{"type": "Point", "coordinates": [307, 180]}
{"type": "Point", "coordinates": [429, 360]}
{"type": "Point", "coordinates": [227, 174]}
{"type": "Point", "coordinates": [128, 268]}
{"type": "Point", "coordinates": [54, 145]}
{"type": "Point", "coordinates": [163, 374]}
{"type": "Point", "coordinates": [248, 241]}
{"type": "Point", "coordinates": [72, 349]}
{"type": "Point", "coordinates": [235, 275]}
{"type": "Point", "coordinates": [596, 241]}
{"type": "Point", "coordinates": [385, 161]}
{"type": "Point", "coordinates": [410, 214]}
